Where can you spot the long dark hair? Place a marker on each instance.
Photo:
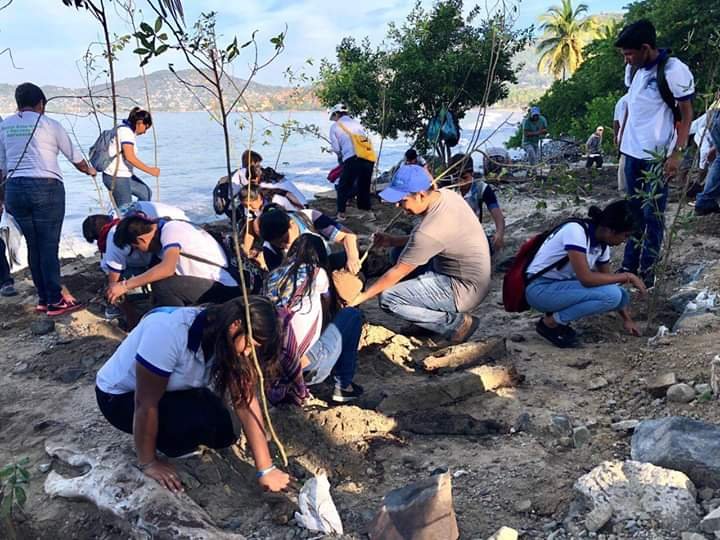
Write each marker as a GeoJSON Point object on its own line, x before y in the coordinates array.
{"type": "Point", "coordinates": [235, 375]}
{"type": "Point", "coordinates": [617, 216]}
{"type": "Point", "coordinates": [130, 228]}
{"type": "Point", "coordinates": [139, 115]}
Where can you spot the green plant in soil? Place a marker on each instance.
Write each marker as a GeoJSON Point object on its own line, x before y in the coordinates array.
{"type": "Point", "coordinates": [14, 478]}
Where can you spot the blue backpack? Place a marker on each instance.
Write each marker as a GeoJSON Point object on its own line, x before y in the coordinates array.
{"type": "Point", "coordinates": [99, 156]}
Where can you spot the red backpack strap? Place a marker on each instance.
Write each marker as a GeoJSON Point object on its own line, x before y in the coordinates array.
{"type": "Point", "coordinates": [102, 237]}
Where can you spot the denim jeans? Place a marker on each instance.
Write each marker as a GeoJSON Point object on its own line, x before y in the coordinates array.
{"type": "Point", "coordinates": [533, 152]}
{"type": "Point", "coordinates": [38, 206]}
{"type": "Point", "coordinates": [5, 276]}
{"type": "Point", "coordinates": [711, 193]}
{"type": "Point", "coordinates": [569, 300]}
{"type": "Point", "coordinates": [427, 301]}
{"type": "Point", "coordinates": [643, 249]}
{"type": "Point", "coordinates": [337, 349]}
{"type": "Point", "coordinates": [126, 188]}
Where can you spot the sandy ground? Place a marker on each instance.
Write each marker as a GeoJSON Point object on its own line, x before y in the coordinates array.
{"type": "Point", "coordinates": [509, 469]}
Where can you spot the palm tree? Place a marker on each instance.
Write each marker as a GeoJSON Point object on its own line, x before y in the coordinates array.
{"type": "Point", "coordinates": [565, 35]}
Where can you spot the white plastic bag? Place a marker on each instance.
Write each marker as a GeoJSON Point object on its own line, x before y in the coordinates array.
{"type": "Point", "coordinates": [12, 236]}
{"type": "Point", "coordinates": [317, 509]}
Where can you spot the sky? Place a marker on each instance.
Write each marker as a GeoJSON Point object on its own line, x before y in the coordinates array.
{"type": "Point", "coordinates": [48, 39]}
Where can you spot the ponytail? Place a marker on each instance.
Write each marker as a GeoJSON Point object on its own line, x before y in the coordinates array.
{"type": "Point", "coordinates": [618, 216]}
{"type": "Point", "coordinates": [139, 115]}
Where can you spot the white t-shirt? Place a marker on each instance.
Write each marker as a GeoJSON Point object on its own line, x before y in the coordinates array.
{"type": "Point", "coordinates": [116, 259]}
{"type": "Point", "coordinates": [570, 237]}
{"type": "Point", "coordinates": [619, 113]}
{"type": "Point", "coordinates": [156, 210]}
{"type": "Point", "coordinates": [124, 135]}
{"type": "Point", "coordinates": [167, 342]}
{"type": "Point", "coordinates": [650, 125]}
{"type": "Point", "coordinates": [197, 242]}
{"type": "Point", "coordinates": [340, 141]}
{"type": "Point", "coordinates": [307, 317]}
{"type": "Point", "coordinates": [239, 179]}
{"type": "Point", "coordinates": [40, 159]}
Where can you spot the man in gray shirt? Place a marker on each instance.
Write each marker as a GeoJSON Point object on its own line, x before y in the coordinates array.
{"type": "Point", "coordinates": [594, 149]}
{"type": "Point", "coordinates": [447, 250]}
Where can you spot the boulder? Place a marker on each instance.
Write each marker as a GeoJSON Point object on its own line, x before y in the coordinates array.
{"type": "Point", "coordinates": [636, 490]}
{"type": "Point", "coordinates": [681, 393]}
{"type": "Point", "coordinates": [659, 385]}
{"type": "Point", "coordinates": [419, 511]}
{"type": "Point", "coordinates": [682, 444]}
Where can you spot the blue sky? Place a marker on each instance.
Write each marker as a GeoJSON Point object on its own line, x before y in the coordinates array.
{"type": "Point", "coordinates": [48, 39]}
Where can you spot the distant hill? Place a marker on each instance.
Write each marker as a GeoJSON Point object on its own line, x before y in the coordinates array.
{"type": "Point", "coordinates": [169, 94]}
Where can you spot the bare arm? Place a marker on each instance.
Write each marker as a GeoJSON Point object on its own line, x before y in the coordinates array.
{"type": "Point", "coordinates": [589, 278]}
{"type": "Point", "coordinates": [148, 392]}
{"type": "Point", "coordinates": [387, 280]}
{"type": "Point", "coordinates": [683, 129]}
{"type": "Point", "coordinates": [128, 151]}
{"type": "Point", "coordinates": [499, 219]}
{"type": "Point", "coordinates": [164, 269]}
{"type": "Point", "coordinates": [349, 242]}
{"type": "Point", "coordinates": [84, 167]}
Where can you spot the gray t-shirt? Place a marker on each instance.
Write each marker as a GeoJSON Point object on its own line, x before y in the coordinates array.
{"type": "Point", "coordinates": [452, 236]}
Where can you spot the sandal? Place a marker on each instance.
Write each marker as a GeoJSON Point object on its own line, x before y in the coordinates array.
{"type": "Point", "coordinates": [561, 337]}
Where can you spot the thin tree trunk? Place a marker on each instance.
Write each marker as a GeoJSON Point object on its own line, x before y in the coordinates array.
{"type": "Point", "coordinates": [108, 46]}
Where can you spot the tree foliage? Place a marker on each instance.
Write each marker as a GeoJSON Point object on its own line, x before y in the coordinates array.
{"type": "Point", "coordinates": [437, 58]}
{"type": "Point", "coordinates": [566, 32]}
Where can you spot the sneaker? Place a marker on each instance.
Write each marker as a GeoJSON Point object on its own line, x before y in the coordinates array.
{"type": "Point", "coordinates": [41, 308]}
{"type": "Point", "coordinates": [466, 329]}
{"type": "Point", "coordinates": [8, 290]}
{"type": "Point", "coordinates": [560, 337]}
{"type": "Point", "coordinates": [112, 312]}
{"type": "Point", "coordinates": [707, 210]}
{"type": "Point", "coordinates": [341, 395]}
{"type": "Point", "coordinates": [63, 307]}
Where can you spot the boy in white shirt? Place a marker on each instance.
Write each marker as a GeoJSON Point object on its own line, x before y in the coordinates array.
{"type": "Point", "coordinates": [659, 114]}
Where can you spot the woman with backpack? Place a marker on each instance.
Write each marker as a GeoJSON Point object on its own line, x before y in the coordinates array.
{"type": "Point", "coordinates": [118, 176]}
{"type": "Point", "coordinates": [320, 337]}
{"type": "Point", "coordinates": [569, 276]}
{"type": "Point", "coordinates": [156, 385]}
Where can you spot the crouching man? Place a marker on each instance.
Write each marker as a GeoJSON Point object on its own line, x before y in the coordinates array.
{"type": "Point", "coordinates": [446, 255]}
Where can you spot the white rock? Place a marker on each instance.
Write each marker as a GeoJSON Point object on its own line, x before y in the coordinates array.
{"type": "Point", "coordinates": [504, 533]}
{"type": "Point", "coordinates": [681, 393]}
{"type": "Point", "coordinates": [637, 490]}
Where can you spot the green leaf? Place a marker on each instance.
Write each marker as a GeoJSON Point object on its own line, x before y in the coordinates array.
{"type": "Point", "coordinates": [20, 496]}
{"type": "Point", "coordinates": [158, 24]}
{"type": "Point", "coordinates": [145, 43]}
{"type": "Point", "coordinates": [161, 49]}
{"type": "Point", "coordinates": [6, 505]}
{"type": "Point", "coordinates": [24, 474]}
{"type": "Point", "coordinates": [141, 51]}
{"type": "Point", "coordinates": [247, 43]}
{"type": "Point", "coordinates": [7, 470]}
{"type": "Point", "coordinates": [145, 27]}
{"type": "Point", "coordinates": [163, 37]}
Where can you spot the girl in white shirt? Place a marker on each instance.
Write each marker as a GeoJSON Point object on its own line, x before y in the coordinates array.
{"type": "Point", "coordinates": [569, 277]}
{"type": "Point", "coordinates": [119, 177]}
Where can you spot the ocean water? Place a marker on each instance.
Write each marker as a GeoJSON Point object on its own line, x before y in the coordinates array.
{"type": "Point", "coordinates": [190, 154]}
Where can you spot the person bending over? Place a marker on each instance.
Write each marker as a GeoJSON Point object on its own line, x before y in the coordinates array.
{"type": "Point", "coordinates": [282, 192]}
{"type": "Point", "coordinates": [579, 283]}
{"type": "Point", "coordinates": [118, 177]}
{"type": "Point", "coordinates": [124, 263]}
{"type": "Point", "coordinates": [155, 385]}
{"type": "Point", "coordinates": [279, 229]}
{"type": "Point", "coordinates": [193, 268]}
{"type": "Point", "coordinates": [476, 193]}
{"type": "Point", "coordinates": [321, 338]}
{"type": "Point", "coordinates": [449, 246]}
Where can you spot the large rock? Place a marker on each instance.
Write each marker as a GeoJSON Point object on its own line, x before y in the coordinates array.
{"type": "Point", "coordinates": [681, 393]}
{"type": "Point", "coordinates": [419, 511]}
{"type": "Point", "coordinates": [657, 386]}
{"type": "Point", "coordinates": [637, 490]}
{"type": "Point", "coordinates": [681, 444]}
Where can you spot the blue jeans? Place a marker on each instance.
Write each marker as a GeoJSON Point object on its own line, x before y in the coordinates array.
{"type": "Point", "coordinates": [711, 193]}
{"type": "Point", "coordinates": [38, 206]}
{"type": "Point", "coordinates": [427, 301]}
{"type": "Point", "coordinates": [338, 345]}
{"type": "Point", "coordinates": [126, 188]}
{"type": "Point", "coordinates": [569, 300]}
{"type": "Point", "coordinates": [643, 249]}
{"type": "Point", "coordinates": [5, 276]}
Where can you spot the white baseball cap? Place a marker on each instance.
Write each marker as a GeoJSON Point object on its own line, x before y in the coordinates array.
{"type": "Point", "coordinates": [337, 108]}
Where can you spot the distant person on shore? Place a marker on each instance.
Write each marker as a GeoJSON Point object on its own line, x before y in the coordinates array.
{"type": "Point", "coordinates": [534, 129]}
{"type": "Point", "coordinates": [477, 193]}
{"type": "Point", "coordinates": [34, 193]}
{"type": "Point", "coordinates": [350, 141]}
{"type": "Point", "coordinates": [446, 257]}
{"type": "Point", "coordinates": [321, 337]}
{"type": "Point", "coordinates": [118, 177]}
{"type": "Point", "coordinates": [619, 118]}
{"type": "Point", "coordinates": [653, 125]}
{"type": "Point", "coordinates": [124, 263]}
{"type": "Point", "coordinates": [156, 385]}
{"type": "Point", "coordinates": [594, 149]}
{"type": "Point", "coordinates": [495, 159]}
{"type": "Point", "coordinates": [579, 283]}
{"type": "Point", "coordinates": [279, 229]}
{"type": "Point", "coordinates": [193, 267]}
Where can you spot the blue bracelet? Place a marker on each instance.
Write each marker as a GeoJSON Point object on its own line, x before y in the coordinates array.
{"type": "Point", "coordinates": [263, 472]}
